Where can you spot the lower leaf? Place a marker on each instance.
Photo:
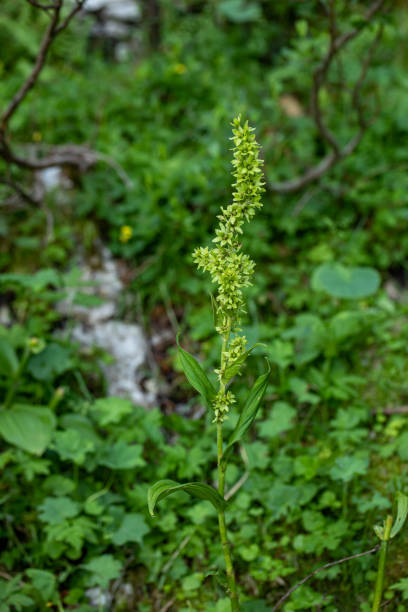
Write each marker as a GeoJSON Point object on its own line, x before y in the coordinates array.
{"type": "Point", "coordinates": [163, 488]}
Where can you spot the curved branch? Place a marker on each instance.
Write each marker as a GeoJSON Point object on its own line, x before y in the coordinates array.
{"type": "Point", "coordinates": [24, 195]}
{"type": "Point", "coordinates": [53, 29]}
{"type": "Point", "coordinates": [65, 22]}
{"type": "Point", "coordinates": [314, 173]}
{"type": "Point", "coordinates": [320, 76]}
{"type": "Point", "coordinates": [29, 83]}
{"type": "Point", "coordinates": [63, 155]}
{"type": "Point", "coordinates": [78, 156]}
{"type": "Point", "coordinates": [72, 155]}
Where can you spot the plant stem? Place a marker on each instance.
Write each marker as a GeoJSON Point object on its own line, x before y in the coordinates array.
{"type": "Point", "coordinates": [59, 605]}
{"type": "Point", "coordinates": [223, 530]}
{"type": "Point", "coordinates": [381, 566]}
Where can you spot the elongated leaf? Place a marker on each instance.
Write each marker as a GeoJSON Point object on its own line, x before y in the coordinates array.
{"type": "Point", "coordinates": [248, 413]}
{"type": "Point", "coordinates": [163, 488]}
{"type": "Point", "coordinates": [402, 511]}
{"type": "Point", "coordinates": [196, 376]}
{"type": "Point", "coordinates": [8, 359]}
{"type": "Point", "coordinates": [29, 427]}
{"type": "Point", "coordinates": [235, 367]}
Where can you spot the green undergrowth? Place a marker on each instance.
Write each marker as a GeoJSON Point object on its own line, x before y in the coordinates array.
{"type": "Point", "coordinates": [329, 449]}
{"type": "Point", "coordinates": [323, 467]}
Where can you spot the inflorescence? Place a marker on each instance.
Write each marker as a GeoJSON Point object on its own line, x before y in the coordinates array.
{"type": "Point", "coordinates": [229, 268]}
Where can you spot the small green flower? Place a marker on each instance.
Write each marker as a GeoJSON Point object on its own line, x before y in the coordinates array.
{"type": "Point", "coordinates": [229, 268]}
{"type": "Point", "coordinates": [223, 401]}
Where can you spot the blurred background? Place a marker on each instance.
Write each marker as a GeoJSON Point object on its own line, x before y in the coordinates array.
{"type": "Point", "coordinates": [114, 161]}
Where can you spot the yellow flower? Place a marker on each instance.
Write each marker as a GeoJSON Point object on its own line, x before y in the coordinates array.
{"type": "Point", "coordinates": [37, 136]}
{"type": "Point", "coordinates": [180, 68]}
{"type": "Point", "coordinates": [125, 233]}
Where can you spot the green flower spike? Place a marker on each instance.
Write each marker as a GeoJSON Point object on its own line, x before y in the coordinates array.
{"type": "Point", "coordinates": [229, 268]}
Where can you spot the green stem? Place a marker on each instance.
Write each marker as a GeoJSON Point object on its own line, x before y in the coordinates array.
{"type": "Point", "coordinates": [232, 587]}
{"type": "Point", "coordinates": [379, 585]}
{"type": "Point", "coordinates": [59, 605]}
{"type": "Point", "coordinates": [223, 530]}
{"type": "Point", "coordinates": [14, 385]}
{"type": "Point", "coordinates": [56, 398]}
{"type": "Point", "coordinates": [221, 471]}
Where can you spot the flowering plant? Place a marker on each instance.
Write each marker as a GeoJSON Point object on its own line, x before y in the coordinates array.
{"type": "Point", "coordinates": [231, 270]}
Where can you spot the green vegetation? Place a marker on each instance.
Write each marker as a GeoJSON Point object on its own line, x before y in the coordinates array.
{"type": "Point", "coordinates": [325, 458]}
{"type": "Point", "coordinates": [232, 271]}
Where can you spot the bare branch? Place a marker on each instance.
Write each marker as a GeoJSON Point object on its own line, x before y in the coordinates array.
{"type": "Point", "coordinates": [236, 487]}
{"type": "Point", "coordinates": [168, 605]}
{"type": "Point", "coordinates": [312, 174]}
{"type": "Point", "coordinates": [303, 200]}
{"type": "Point", "coordinates": [54, 28]}
{"type": "Point", "coordinates": [63, 155]}
{"type": "Point", "coordinates": [356, 94]}
{"type": "Point", "coordinates": [19, 190]}
{"type": "Point", "coordinates": [78, 156]}
{"type": "Point", "coordinates": [72, 155]}
{"type": "Point", "coordinates": [78, 5]}
{"type": "Point", "coordinates": [320, 569]}
{"type": "Point", "coordinates": [115, 166]}
{"type": "Point", "coordinates": [176, 553]}
{"type": "Point", "coordinates": [320, 76]}
{"type": "Point", "coordinates": [29, 83]}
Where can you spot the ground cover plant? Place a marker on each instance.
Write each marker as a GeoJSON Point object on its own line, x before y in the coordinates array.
{"type": "Point", "coordinates": [328, 449]}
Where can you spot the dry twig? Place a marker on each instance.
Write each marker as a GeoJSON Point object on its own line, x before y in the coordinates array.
{"type": "Point", "coordinates": [19, 191]}
{"type": "Point", "coordinates": [236, 487]}
{"type": "Point", "coordinates": [81, 157]}
{"type": "Point", "coordinates": [338, 152]}
{"type": "Point", "coordinates": [320, 569]}
{"type": "Point", "coordinates": [55, 26]}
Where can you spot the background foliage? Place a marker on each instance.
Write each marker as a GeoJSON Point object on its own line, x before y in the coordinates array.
{"type": "Point", "coordinates": [330, 448]}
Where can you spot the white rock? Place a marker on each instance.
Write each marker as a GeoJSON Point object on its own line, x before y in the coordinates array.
{"type": "Point", "coordinates": [111, 29]}
{"type": "Point", "coordinates": [96, 327]}
{"type": "Point", "coordinates": [51, 178]}
{"type": "Point", "coordinates": [127, 345]}
{"type": "Point", "coordinates": [98, 598]}
{"type": "Point", "coordinates": [122, 10]}
{"type": "Point", "coordinates": [103, 282]}
{"type": "Point", "coordinates": [106, 277]}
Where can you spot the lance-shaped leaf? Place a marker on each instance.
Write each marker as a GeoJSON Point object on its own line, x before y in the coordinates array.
{"type": "Point", "coordinates": [196, 376]}
{"type": "Point", "coordinates": [233, 369]}
{"type": "Point", "coordinates": [402, 511]}
{"type": "Point", "coordinates": [163, 488]}
{"type": "Point", "coordinates": [248, 413]}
